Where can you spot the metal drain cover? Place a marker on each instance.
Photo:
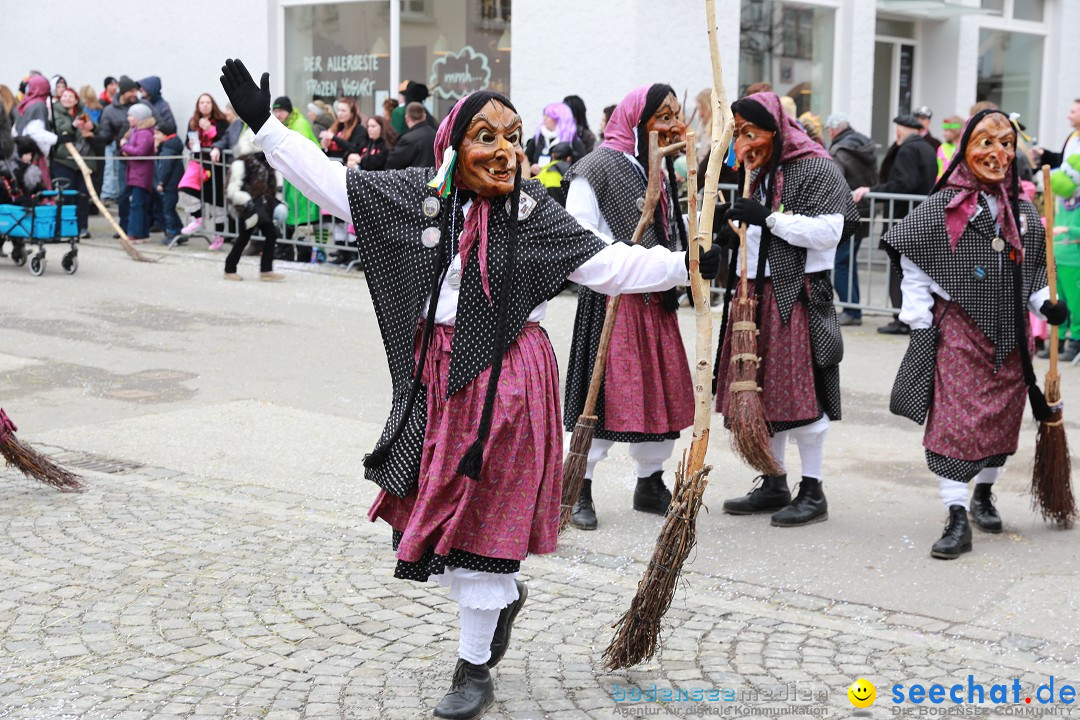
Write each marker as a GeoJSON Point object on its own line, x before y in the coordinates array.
{"type": "Point", "coordinates": [97, 463]}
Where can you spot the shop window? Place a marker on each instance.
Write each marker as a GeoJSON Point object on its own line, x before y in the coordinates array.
{"type": "Point", "coordinates": [1010, 72]}
{"type": "Point", "coordinates": [338, 50]}
{"type": "Point", "coordinates": [463, 47]}
{"type": "Point", "coordinates": [790, 46]}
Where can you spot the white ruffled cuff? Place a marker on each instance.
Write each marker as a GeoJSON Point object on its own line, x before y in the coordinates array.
{"type": "Point", "coordinates": [479, 590]}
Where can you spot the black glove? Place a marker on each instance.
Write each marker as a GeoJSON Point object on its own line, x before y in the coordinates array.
{"type": "Point", "coordinates": [745, 210]}
{"type": "Point", "coordinates": [65, 138]}
{"type": "Point", "coordinates": [250, 101]}
{"type": "Point", "coordinates": [708, 262]}
{"type": "Point", "coordinates": [1055, 313]}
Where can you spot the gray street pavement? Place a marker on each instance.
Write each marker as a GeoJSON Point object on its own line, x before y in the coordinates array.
{"type": "Point", "coordinates": [221, 563]}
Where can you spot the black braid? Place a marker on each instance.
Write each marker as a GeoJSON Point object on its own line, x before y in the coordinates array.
{"type": "Point", "coordinates": [472, 461]}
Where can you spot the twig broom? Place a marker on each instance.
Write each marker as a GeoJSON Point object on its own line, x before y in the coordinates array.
{"type": "Point", "coordinates": [637, 636]}
{"type": "Point", "coordinates": [573, 476]}
{"type": "Point", "coordinates": [88, 179]}
{"type": "Point", "coordinates": [32, 463]}
{"type": "Point", "coordinates": [1051, 490]}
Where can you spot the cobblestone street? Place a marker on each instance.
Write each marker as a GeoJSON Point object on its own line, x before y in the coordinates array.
{"type": "Point", "coordinates": [221, 564]}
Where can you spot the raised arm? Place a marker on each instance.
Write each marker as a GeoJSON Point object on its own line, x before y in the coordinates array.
{"type": "Point", "coordinates": [300, 161]}
{"type": "Point", "coordinates": [320, 179]}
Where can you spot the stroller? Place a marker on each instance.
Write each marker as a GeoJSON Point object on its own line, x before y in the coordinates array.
{"type": "Point", "coordinates": [28, 217]}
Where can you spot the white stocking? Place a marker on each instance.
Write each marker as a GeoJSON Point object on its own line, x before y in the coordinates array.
{"type": "Point", "coordinates": [811, 441]}
{"type": "Point", "coordinates": [650, 456]}
{"type": "Point", "coordinates": [952, 492]}
{"type": "Point", "coordinates": [477, 630]}
{"type": "Point", "coordinates": [778, 445]}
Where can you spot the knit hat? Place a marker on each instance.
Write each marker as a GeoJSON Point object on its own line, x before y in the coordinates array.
{"type": "Point", "coordinates": [909, 121]}
{"type": "Point", "coordinates": [125, 84]}
{"type": "Point", "coordinates": [109, 80]}
{"type": "Point", "coordinates": [140, 112]}
{"type": "Point", "coordinates": [283, 103]}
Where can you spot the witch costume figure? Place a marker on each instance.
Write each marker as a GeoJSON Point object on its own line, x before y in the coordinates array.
{"type": "Point", "coordinates": [799, 210]}
{"type": "Point", "coordinates": [647, 397]}
{"type": "Point", "coordinates": [460, 264]}
{"type": "Point", "coordinates": [973, 257]}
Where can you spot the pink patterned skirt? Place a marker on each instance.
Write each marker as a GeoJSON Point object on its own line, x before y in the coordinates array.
{"type": "Point", "coordinates": [647, 385]}
{"type": "Point", "coordinates": [513, 510]}
{"type": "Point", "coordinates": [976, 413]}
{"type": "Point", "coordinates": [786, 372]}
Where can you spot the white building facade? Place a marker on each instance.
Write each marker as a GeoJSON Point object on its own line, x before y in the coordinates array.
{"type": "Point", "coordinates": [868, 58]}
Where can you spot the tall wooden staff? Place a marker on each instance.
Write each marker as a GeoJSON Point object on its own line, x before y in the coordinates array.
{"type": "Point", "coordinates": [1051, 490]}
{"type": "Point", "coordinates": [128, 247]}
{"type": "Point", "coordinates": [637, 637]}
{"type": "Point", "coordinates": [581, 440]}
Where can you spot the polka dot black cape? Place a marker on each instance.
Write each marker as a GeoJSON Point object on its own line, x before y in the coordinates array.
{"type": "Point", "coordinates": [387, 210]}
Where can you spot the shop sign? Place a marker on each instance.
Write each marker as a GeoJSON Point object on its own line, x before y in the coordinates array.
{"type": "Point", "coordinates": [321, 86]}
{"type": "Point", "coordinates": [455, 75]}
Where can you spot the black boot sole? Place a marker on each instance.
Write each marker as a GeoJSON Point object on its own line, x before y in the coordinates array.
{"type": "Point", "coordinates": [762, 511]}
{"type": "Point", "coordinates": [650, 510]}
{"type": "Point", "coordinates": [820, 518]}
{"type": "Point", "coordinates": [950, 556]}
{"type": "Point", "coordinates": [588, 527]}
{"type": "Point", "coordinates": [477, 716]}
{"type": "Point", "coordinates": [991, 530]}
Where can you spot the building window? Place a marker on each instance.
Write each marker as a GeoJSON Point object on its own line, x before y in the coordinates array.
{"type": "Point", "coordinates": [1010, 72]}
{"type": "Point", "coordinates": [1028, 10]}
{"type": "Point", "coordinates": [790, 46]}
{"type": "Point", "coordinates": [464, 47]}
{"type": "Point", "coordinates": [338, 50]}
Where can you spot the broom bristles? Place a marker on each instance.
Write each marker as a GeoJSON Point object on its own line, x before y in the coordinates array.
{"type": "Point", "coordinates": [637, 636]}
{"type": "Point", "coordinates": [573, 472]}
{"type": "Point", "coordinates": [1051, 489]}
{"type": "Point", "coordinates": [746, 409]}
{"type": "Point", "coordinates": [35, 465]}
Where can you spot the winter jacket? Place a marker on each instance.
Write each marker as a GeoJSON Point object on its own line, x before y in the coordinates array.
{"type": "Point", "coordinates": [397, 120]}
{"type": "Point", "coordinates": [140, 144]}
{"type": "Point", "coordinates": [908, 168]}
{"type": "Point", "coordinates": [856, 154]}
{"type": "Point", "coordinates": [151, 85]}
{"type": "Point", "coordinates": [416, 148]}
{"type": "Point", "coordinates": [64, 123]}
{"type": "Point", "coordinates": [167, 173]}
{"type": "Point", "coordinates": [373, 155]}
{"type": "Point", "coordinates": [35, 123]}
{"type": "Point", "coordinates": [231, 136]}
{"type": "Point", "coordinates": [113, 123]}
{"type": "Point", "coordinates": [535, 150]}
{"type": "Point", "coordinates": [252, 187]}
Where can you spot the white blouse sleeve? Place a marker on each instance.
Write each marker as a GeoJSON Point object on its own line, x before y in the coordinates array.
{"type": "Point", "coordinates": [1038, 298]}
{"type": "Point", "coordinates": [622, 268]}
{"type": "Point", "coordinates": [821, 232]}
{"type": "Point", "coordinates": [303, 164]}
{"type": "Point", "coordinates": [582, 204]}
{"type": "Point", "coordinates": [918, 290]}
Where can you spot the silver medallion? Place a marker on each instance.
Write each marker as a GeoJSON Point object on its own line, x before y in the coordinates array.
{"type": "Point", "coordinates": [454, 277]}
{"type": "Point", "coordinates": [998, 244]}
{"type": "Point", "coordinates": [431, 206]}
{"type": "Point", "coordinates": [430, 237]}
{"type": "Point", "coordinates": [640, 204]}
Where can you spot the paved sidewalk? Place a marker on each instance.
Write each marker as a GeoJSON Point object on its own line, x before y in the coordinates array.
{"type": "Point", "coordinates": [221, 563]}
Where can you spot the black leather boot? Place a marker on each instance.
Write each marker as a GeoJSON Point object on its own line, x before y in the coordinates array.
{"type": "Point", "coordinates": [651, 495]}
{"type": "Point", "coordinates": [501, 639]}
{"type": "Point", "coordinates": [771, 495]}
{"type": "Point", "coordinates": [983, 512]}
{"type": "Point", "coordinates": [584, 515]}
{"type": "Point", "coordinates": [956, 540]}
{"type": "Point", "coordinates": [809, 506]}
{"type": "Point", "coordinates": [471, 693]}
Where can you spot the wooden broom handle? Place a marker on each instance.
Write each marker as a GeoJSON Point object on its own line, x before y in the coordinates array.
{"type": "Point", "coordinates": [1051, 267]}
{"type": "Point", "coordinates": [742, 239]}
{"type": "Point", "coordinates": [652, 196]}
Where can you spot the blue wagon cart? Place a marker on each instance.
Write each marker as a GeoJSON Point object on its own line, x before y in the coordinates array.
{"type": "Point", "coordinates": [52, 219]}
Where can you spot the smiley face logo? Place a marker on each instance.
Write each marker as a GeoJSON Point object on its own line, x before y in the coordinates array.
{"type": "Point", "coordinates": [862, 693]}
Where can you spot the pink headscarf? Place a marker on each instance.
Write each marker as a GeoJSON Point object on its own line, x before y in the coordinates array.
{"type": "Point", "coordinates": [37, 91]}
{"type": "Point", "coordinates": [621, 134]}
{"type": "Point", "coordinates": [475, 232]}
{"type": "Point", "coordinates": [961, 208]}
{"type": "Point", "coordinates": [795, 144]}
